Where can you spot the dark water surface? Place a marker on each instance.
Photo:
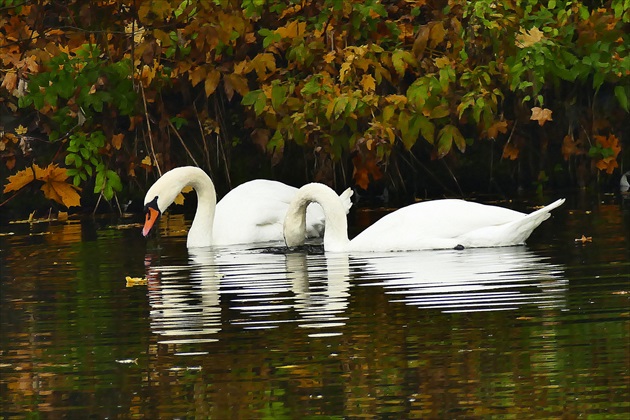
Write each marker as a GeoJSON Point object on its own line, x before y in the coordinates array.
{"type": "Point", "coordinates": [538, 331]}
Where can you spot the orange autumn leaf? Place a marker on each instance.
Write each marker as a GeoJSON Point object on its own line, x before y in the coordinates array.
{"type": "Point", "coordinates": [212, 81]}
{"type": "Point", "coordinates": [10, 81]}
{"type": "Point", "coordinates": [19, 180]}
{"type": "Point", "coordinates": [197, 75]}
{"type": "Point", "coordinates": [607, 164]}
{"type": "Point", "coordinates": [496, 128]}
{"type": "Point", "coordinates": [542, 115]}
{"type": "Point", "coordinates": [117, 140]}
{"type": "Point", "coordinates": [570, 147]}
{"type": "Point", "coordinates": [611, 142]}
{"type": "Point", "coordinates": [55, 186]}
{"type": "Point", "coordinates": [510, 152]}
{"type": "Point", "coordinates": [365, 169]}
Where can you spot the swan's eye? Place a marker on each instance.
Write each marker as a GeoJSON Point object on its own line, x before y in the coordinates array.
{"type": "Point", "coordinates": [152, 205]}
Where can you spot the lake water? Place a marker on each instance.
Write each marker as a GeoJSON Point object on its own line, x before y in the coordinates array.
{"type": "Point", "coordinates": [536, 331]}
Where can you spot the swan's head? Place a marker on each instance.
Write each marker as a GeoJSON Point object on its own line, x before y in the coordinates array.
{"type": "Point", "coordinates": [152, 213]}
{"type": "Point", "coordinates": [164, 191]}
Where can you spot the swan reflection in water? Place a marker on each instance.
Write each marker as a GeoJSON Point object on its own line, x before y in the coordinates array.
{"type": "Point", "coordinates": [257, 289]}
{"type": "Point", "coordinates": [260, 289]}
{"type": "Point", "coordinates": [482, 279]}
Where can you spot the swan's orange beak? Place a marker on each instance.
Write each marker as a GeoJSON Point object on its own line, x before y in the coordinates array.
{"type": "Point", "coordinates": [151, 218]}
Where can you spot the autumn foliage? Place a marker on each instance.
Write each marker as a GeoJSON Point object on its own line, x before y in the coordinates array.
{"type": "Point", "coordinates": [114, 91]}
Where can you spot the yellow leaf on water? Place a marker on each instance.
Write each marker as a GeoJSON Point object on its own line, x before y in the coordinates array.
{"type": "Point", "coordinates": [135, 281]}
{"type": "Point", "coordinates": [147, 161]}
{"type": "Point", "coordinates": [584, 239]}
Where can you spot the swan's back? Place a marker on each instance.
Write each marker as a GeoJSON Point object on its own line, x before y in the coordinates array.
{"type": "Point", "coordinates": [431, 225]}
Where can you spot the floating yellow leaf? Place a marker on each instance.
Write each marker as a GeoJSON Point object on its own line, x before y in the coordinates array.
{"type": "Point", "coordinates": [135, 281]}
{"type": "Point", "coordinates": [584, 239]}
{"type": "Point", "coordinates": [147, 161]}
{"type": "Point", "coordinates": [542, 115]}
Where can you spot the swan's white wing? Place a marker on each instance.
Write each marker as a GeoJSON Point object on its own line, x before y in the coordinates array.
{"type": "Point", "coordinates": [252, 212]}
{"type": "Point", "coordinates": [255, 211]}
{"type": "Point", "coordinates": [431, 225]}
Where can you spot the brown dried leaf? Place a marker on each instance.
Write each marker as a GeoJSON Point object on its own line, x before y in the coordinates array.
{"type": "Point", "coordinates": [496, 128]}
{"type": "Point", "coordinates": [212, 81]}
{"type": "Point", "coordinates": [510, 151]}
{"type": "Point", "coordinates": [117, 140]}
{"type": "Point", "coordinates": [542, 115]}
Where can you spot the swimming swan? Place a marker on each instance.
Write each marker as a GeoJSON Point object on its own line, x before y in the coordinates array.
{"type": "Point", "coordinates": [435, 224]}
{"type": "Point", "coordinates": [252, 212]}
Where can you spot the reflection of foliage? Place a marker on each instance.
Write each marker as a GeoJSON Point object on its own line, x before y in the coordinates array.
{"type": "Point", "coordinates": [363, 78]}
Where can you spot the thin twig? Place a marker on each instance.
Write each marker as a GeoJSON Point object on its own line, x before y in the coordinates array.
{"type": "Point", "coordinates": [146, 114]}
{"type": "Point", "coordinates": [170, 124]}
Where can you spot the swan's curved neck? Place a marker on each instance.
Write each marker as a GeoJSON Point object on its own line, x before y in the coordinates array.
{"type": "Point", "coordinates": [200, 233]}
{"type": "Point", "coordinates": [168, 187]}
{"type": "Point", "coordinates": [336, 228]}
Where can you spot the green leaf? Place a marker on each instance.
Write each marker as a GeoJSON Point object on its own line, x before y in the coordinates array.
{"type": "Point", "coordinates": [251, 97]}
{"type": "Point", "coordinates": [398, 62]}
{"type": "Point", "coordinates": [278, 96]}
{"type": "Point", "coordinates": [114, 180]}
{"type": "Point", "coordinates": [259, 105]}
{"type": "Point", "coordinates": [311, 87]}
{"type": "Point", "coordinates": [427, 128]}
{"type": "Point", "coordinates": [445, 142]}
{"type": "Point", "coordinates": [622, 97]}
{"type": "Point", "coordinates": [449, 134]}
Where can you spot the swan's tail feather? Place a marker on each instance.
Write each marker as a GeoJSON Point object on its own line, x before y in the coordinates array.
{"type": "Point", "coordinates": [512, 233]}
{"type": "Point", "coordinates": [524, 227]}
{"type": "Point", "coordinates": [346, 199]}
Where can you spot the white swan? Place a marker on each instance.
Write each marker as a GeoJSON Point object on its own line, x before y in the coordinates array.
{"type": "Point", "coordinates": [435, 224]}
{"type": "Point", "coordinates": [252, 212]}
